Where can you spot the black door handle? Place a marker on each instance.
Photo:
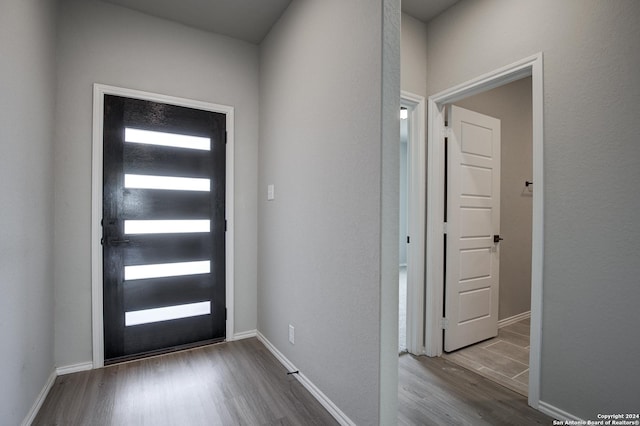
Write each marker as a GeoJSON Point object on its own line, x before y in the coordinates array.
{"type": "Point", "coordinates": [114, 242]}
{"type": "Point", "coordinates": [497, 238]}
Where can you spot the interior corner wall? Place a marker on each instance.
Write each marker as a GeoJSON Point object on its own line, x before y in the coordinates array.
{"type": "Point", "coordinates": [103, 43]}
{"type": "Point", "coordinates": [27, 87]}
{"type": "Point", "coordinates": [591, 170]}
{"type": "Point", "coordinates": [319, 263]}
{"type": "Point", "coordinates": [413, 56]}
{"type": "Point", "coordinates": [512, 104]}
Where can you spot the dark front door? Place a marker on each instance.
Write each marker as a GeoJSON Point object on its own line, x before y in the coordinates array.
{"type": "Point", "coordinates": [163, 227]}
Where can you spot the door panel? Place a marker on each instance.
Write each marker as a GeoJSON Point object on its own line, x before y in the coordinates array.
{"type": "Point", "coordinates": [163, 227]}
{"type": "Point", "coordinates": [143, 204]}
{"type": "Point", "coordinates": [473, 209]}
{"type": "Point", "coordinates": [165, 161]}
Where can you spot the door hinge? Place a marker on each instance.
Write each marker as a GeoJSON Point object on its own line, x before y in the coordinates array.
{"type": "Point", "coordinates": [225, 225]}
{"type": "Point", "coordinates": [225, 314]}
{"type": "Point", "coordinates": [444, 227]}
{"type": "Point", "coordinates": [408, 239]}
{"type": "Point", "coordinates": [444, 323]}
{"type": "Point", "coordinates": [446, 132]}
{"type": "Point", "coordinates": [225, 137]}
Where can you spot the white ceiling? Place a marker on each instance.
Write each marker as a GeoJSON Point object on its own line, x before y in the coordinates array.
{"type": "Point", "coordinates": [248, 20]}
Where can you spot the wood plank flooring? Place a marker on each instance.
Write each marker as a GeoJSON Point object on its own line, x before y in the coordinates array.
{"type": "Point", "coordinates": [241, 383]}
{"type": "Point", "coordinates": [503, 359]}
{"type": "Point", "coordinates": [435, 391]}
{"type": "Point", "coordinates": [235, 383]}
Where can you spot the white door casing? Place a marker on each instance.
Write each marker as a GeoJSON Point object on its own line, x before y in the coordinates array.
{"type": "Point", "coordinates": [530, 66]}
{"type": "Point", "coordinates": [473, 218]}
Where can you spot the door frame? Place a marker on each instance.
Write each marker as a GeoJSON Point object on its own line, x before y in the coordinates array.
{"type": "Point", "coordinates": [530, 66]}
{"type": "Point", "coordinates": [97, 314]}
{"type": "Point", "coordinates": [416, 200]}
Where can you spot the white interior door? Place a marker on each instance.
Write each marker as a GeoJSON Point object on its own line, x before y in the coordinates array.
{"type": "Point", "coordinates": [473, 219]}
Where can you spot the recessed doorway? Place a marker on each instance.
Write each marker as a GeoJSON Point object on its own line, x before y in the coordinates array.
{"type": "Point", "coordinates": [412, 225]}
{"type": "Point", "coordinates": [436, 321]}
{"type": "Point", "coordinates": [504, 357]}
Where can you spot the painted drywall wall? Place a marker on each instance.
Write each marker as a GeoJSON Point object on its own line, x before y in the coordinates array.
{"type": "Point", "coordinates": [390, 168]}
{"type": "Point", "coordinates": [321, 241]}
{"type": "Point", "coordinates": [413, 55]}
{"type": "Point", "coordinates": [591, 169]}
{"type": "Point", "coordinates": [27, 72]}
{"type": "Point", "coordinates": [512, 105]}
{"type": "Point", "coordinates": [104, 43]}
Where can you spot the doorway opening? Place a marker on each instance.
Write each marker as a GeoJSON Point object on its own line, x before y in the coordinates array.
{"type": "Point", "coordinates": [503, 268]}
{"type": "Point", "coordinates": [436, 321]}
{"type": "Point", "coordinates": [404, 232]}
{"type": "Point", "coordinates": [412, 225]}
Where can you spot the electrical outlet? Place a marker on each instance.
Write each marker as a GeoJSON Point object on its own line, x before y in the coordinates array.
{"type": "Point", "coordinates": [271, 192]}
{"type": "Point", "coordinates": [292, 335]}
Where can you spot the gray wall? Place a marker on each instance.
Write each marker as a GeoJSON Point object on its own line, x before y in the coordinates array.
{"type": "Point", "coordinates": [591, 168]}
{"type": "Point", "coordinates": [512, 105]}
{"type": "Point", "coordinates": [27, 82]}
{"type": "Point", "coordinates": [328, 242]}
{"type": "Point", "coordinates": [103, 43]}
{"type": "Point", "coordinates": [413, 55]}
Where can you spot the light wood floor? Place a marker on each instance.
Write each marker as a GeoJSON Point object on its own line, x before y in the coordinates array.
{"type": "Point", "coordinates": [503, 359]}
{"type": "Point", "coordinates": [235, 383]}
{"type": "Point", "coordinates": [434, 391]}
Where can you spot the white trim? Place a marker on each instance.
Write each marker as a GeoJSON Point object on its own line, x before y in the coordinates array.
{"type": "Point", "coordinates": [531, 66]}
{"type": "Point", "coordinates": [416, 196]}
{"type": "Point", "coordinates": [33, 412]}
{"type": "Point", "coordinates": [244, 335]}
{"type": "Point", "coordinates": [99, 90]}
{"type": "Point", "coordinates": [74, 368]}
{"type": "Point", "coordinates": [557, 413]}
{"type": "Point", "coordinates": [313, 389]}
{"type": "Point", "coordinates": [514, 319]}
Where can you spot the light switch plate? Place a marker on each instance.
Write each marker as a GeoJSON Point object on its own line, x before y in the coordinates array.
{"type": "Point", "coordinates": [271, 192]}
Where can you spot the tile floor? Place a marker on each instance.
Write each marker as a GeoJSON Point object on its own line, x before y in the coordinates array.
{"type": "Point", "coordinates": [503, 359]}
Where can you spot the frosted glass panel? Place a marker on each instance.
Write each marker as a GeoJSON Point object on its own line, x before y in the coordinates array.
{"type": "Point", "coordinates": [159, 270]}
{"type": "Point", "coordinates": [149, 137]}
{"type": "Point", "coordinates": [166, 182]}
{"type": "Point", "coordinates": [167, 313]}
{"type": "Point", "coordinates": [166, 226]}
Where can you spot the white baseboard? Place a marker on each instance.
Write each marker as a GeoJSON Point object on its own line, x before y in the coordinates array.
{"type": "Point", "coordinates": [313, 389]}
{"type": "Point", "coordinates": [33, 412]}
{"type": "Point", "coordinates": [244, 335]}
{"type": "Point", "coordinates": [556, 412]}
{"type": "Point", "coordinates": [514, 319]}
{"type": "Point", "coordinates": [74, 368]}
